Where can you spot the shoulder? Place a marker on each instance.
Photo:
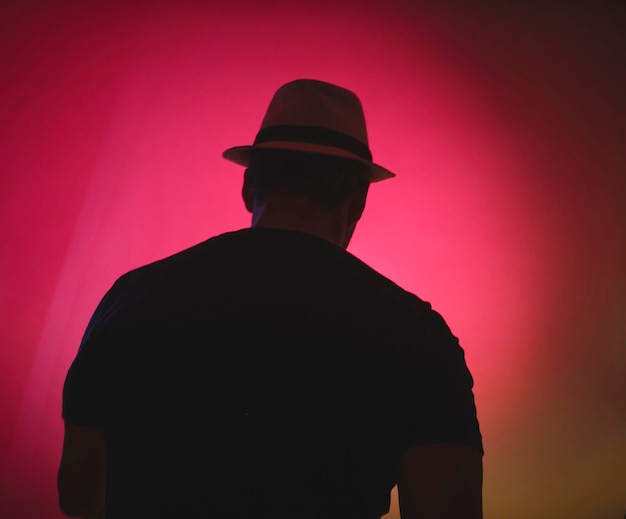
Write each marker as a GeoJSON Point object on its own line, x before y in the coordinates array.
{"type": "Point", "coordinates": [395, 297]}
{"type": "Point", "coordinates": [182, 263]}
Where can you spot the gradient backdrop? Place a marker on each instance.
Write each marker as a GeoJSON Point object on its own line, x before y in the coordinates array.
{"type": "Point", "coordinates": [505, 126]}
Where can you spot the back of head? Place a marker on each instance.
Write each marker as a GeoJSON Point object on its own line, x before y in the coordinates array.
{"type": "Point", "coordinates": [325, 180]}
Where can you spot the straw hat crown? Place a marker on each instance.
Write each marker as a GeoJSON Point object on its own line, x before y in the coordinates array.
{"type": "Point", "coordinates": [315, 117]}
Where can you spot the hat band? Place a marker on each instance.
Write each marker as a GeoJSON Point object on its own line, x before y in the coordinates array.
{"type": "Point", "coordinates": [313, 135]}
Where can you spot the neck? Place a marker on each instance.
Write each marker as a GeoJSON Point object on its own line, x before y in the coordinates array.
{"type": "Point", "coordinates": [298, 214]}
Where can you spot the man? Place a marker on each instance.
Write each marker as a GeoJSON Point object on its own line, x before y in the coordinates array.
{"type": "Point", "coordinates": [268, 373]}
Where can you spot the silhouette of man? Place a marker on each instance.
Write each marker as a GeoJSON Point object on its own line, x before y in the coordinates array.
{"type": "Point", "coordinates": [267, 372]}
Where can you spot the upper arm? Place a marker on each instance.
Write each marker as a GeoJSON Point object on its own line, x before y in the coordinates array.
{"type": "Point", "coordinates": [81, 477]}
{"type": "Point", "coordinates": [440, 481]}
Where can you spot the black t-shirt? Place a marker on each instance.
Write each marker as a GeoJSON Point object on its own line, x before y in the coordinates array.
{"type": "Point", "coordinates": [264, 374]}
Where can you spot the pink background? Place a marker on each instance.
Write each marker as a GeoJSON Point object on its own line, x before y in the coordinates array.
{"type": "Point", "coordinates": [505, 126]}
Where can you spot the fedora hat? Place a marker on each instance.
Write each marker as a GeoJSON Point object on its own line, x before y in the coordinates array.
{"type": "Point", "coordinates": [314, 117]}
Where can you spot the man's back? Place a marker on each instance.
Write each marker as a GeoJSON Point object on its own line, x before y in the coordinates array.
{"type": "Point", "coordinates": [265, 373]}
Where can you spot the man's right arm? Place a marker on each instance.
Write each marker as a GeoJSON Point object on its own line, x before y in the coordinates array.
{"type": "Point", "coordinates": [441, 481]}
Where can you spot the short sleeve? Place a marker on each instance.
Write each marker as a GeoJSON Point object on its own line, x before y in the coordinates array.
{"type": "Point", "coordinates": [439, 388]}
{"type": "Point", "coordinates": [83, 403]}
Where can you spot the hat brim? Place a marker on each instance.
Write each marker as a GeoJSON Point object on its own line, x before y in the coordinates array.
{"type": "Point", "coordinates": [241, 155]}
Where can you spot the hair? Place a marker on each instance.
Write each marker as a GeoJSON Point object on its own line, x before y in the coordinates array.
{"type": "Point", "coordinates": [325, 180]}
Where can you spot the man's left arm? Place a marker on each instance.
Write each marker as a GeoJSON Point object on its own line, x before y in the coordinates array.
{"type": "Point", "coordinates": [82, 471]}
{"type": "Point", "coordinates": [81, 476]}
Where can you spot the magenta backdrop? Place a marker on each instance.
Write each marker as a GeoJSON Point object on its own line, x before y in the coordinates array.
{"type": "Point", "coordinates": [505, 127]}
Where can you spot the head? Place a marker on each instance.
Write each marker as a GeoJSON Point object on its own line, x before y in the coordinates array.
{"type": "Point", "coordinates": [298, 186]}
{"type": "Point", "coordinates": [310, 165]}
